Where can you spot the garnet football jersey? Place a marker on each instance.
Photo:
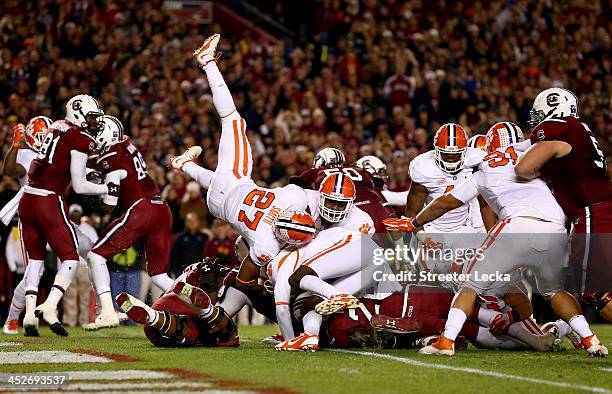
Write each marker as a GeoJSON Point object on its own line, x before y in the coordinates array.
{"type": "Point", "coordinates": [578, 179]}
{"type": "Point", "coordinates": [138, 183]}
{"type": "Point", "coordinates": [50, 170]}
{"type": "Point", "coordinates": [368, 197]}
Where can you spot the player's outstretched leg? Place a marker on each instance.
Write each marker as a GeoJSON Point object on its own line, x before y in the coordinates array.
{"type": "Point", "coordinates": [101, 279]}
{"type": "Point", "coordinates": [11, 326]}
{"type": "Point", "coordinates": [194, 297]}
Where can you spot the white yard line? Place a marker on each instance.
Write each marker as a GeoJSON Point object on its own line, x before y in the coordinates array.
{"type": "Point", "coordinates": [476, 371]}
{"type": "Point", "coordinates": [49, 357]}
{"type": "Point", "coordinates": [606, 369]}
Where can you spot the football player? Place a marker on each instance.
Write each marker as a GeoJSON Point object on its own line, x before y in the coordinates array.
{"type": "Point", "coordinates": [378, 169]}
{"type": "Point", "coordinates": [146, 217]}
{"type": "Point", "coordinates": [185, 315]}
{"type": "Point", "coordinates": [27, 141]}
{"type": "Point", "coordinates": [42, 209]}
{"type": "Point", "coordinates": [523, 207]}
{"type": "Point", "coordinates": [437, 172]}
{"type": "Point", "coordinates": [566, 153]}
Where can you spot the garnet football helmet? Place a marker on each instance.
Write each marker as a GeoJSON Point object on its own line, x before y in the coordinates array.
{"type": "Point", "coordinates": [374, 166]}
{"type": "Point", "coordinates": [36, 130]}
{"type": "Point", "coordinates": [294, 227]}
{"type": "Point", "coordinates": [450, 145]}
{"type": "Point", "coordinates": [503, 134]}
{"type": "Point", "coordinates": [553, 103]}
{"type": "Point", "coordinates": [328, 157]}
{"type": "Point", "coordinates": [337, 197]}
{"type": "Point", "coordinates": [478, 141]}
{"type": "Point", "coordinates": [111, 134]}
{"type": "Point", "coordinates": [85, 112]}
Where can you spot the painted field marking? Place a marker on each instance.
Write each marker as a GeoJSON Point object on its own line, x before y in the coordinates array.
{"type": "Point", "coordinates": [49, 357]}
{"type": "Point", "coordinates": [11, 344]}
{"type": "Point", "coordinates": [120, 374]}
{"type": "Point", "coordinates": [476, 371]}
{"type": "Point", "coordinates": [606, 369]}
{"type": "Point", "coordinates": [120, 386]}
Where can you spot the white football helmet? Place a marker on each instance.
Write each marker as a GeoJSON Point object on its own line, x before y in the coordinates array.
{"type": "Point", "coordinates": [111, 134]}
{"type": "Point", "coordinates": [553, 103]}
{"type": "Point", "coordinates": [328, 157]}
{"type": "Point", "coordinates": [85, 112]}
{"type": "Point", "coordinates": [374, 166]}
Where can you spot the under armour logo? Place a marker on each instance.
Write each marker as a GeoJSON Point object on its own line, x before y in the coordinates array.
{"type": "Point", "coordinates": [390, 322]}
{"type": "Point", "coordinates": [113, 189]}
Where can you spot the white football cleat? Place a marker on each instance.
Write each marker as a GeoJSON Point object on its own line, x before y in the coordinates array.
{"type": "Point", "coordinates": [442, 346]}
{"type": "Point", "coordinates": [49, 314]}
{"type": "Point", "coordinates": [273, 340]}
{"type": "Point", "coordinates": [106, 319]}
{"type": "Point", "coordinates": [11, 327]}
{"type": "Point", "coordinates": [594, 347]}
{"type": "Point", "coordinates": [337, 303]}
{"type": "Point", "coordinates": [30, 326]}
{"type": "Point", "coordinates": [190, 155]}
{"type": "Point", "coordinates": [207, 52]}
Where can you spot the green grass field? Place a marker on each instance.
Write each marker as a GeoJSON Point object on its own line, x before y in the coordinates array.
{"type": "Point", "coordinates": [255, 366]}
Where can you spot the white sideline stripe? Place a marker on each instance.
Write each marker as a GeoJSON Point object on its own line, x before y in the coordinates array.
{"type": "Point", "coordinates": [149, 386]}
{"type": "Point", "coordinates": [121, 374]}
{"type": "Point", "coordinates": [606, 369]}
{"type": "Point", "coordinates": [205, 390]}
{"type": "Point", "coordinates": [11, 344]}
{"type": "Point", "coordinates": [49, 357]}
{"type": "Point", "coordinates": [475, 371]}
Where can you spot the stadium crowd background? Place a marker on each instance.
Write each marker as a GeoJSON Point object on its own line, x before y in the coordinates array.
{"type": "Point", "coordinates": [366, 76]}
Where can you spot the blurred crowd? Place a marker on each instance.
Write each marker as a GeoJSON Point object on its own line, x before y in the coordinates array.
{"type": "Point", "coordinates": [366, 76]}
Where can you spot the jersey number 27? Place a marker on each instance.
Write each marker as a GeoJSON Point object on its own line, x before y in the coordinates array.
{"type": "Point", "coordinates": [261, 200]}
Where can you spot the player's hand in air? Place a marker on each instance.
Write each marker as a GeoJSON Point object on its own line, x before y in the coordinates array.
{"type": "Point", "coordinates": [403, 224]}
{"type": "Point", "coordinates": [19, 136]}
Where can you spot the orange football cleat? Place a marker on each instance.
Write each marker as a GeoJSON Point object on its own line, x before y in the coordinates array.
{"type": "Point", "coordinates": [442, 346]}
{"type": "Point", "coordinates": [301, 343]}
{"type": "Point", "coordinates": [594, 347]}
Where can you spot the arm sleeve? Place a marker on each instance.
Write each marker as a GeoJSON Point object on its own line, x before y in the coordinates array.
{"type": "Point", "coordinates": [396, 199]}
{"type": "Point", "coordinates": [282, 292]}
{"type": "Point", "coordinates": [78, 165]}
{"type": "Point", "coordinates": [114, 177]}
{"type": "Point", "coordinates": [466, 190]}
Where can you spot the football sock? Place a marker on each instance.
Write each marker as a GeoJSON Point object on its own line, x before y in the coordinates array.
{"type": "Point", "coordinates": [222, 98]}
{"type": "Point", "coordinates": [563, 327]}
{"type": "Point", "coordinates": [312, 323]}
{"type": "Point", "coordinates": [485, 316]}
{"type": "Point", "coordinates": [233, 301]}
{"type": "Point", "coordinates": [199, 174]}
{"type": "Point", "coordinates": [318, 286]}
{"type": "Point", "coordinates": [98, 272]}
{"type": "Point", "coordinates": [163, 281]}
{"type": "Point", "coordinates": [32, 279]}
{"type": "Point", "coordinates": [579, 324]}
{"type": "Point", "coordinates": [18, 301]}
{"type": "Point", "coordinates": [62, 280]}
{"type": "Point", "coordinates": [456, 319]}
{"type": "Point", "coordinates": [490, 341]}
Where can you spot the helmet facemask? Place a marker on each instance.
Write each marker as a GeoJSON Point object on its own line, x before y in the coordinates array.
{"type": "Point", "coordinates": [335, 208]}
{"type": "Point", "coordinates": [450, 161]}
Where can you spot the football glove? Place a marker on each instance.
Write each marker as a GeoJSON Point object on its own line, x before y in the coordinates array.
{"type": "Point", "coordinates": [403, 224]}
{"type": "Point", "coordinates": [113, 189]}
{"type": "Point", "coordinates": [501, 322]}
{"type": "Point", "coordinates": [18, 135]}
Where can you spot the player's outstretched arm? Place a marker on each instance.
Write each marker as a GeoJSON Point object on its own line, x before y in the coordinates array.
{"type": "Point", "coordinates": [10, 167]}
{"type": "Point", "coordinates": [529, 164]}
{"type": "Point", "coordinates": [78, 176]}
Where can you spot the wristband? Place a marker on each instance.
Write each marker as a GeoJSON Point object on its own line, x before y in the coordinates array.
{"type": "Point", "coordinates": [515, 315]}
{"type": "Point", "coordinates": [415, 223]}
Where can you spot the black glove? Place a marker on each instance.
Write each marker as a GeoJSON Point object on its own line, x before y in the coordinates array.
{"type": "Point", "coordinates": [113, 189]}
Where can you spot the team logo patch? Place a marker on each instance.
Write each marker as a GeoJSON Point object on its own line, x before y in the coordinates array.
{"type": "Point", "coordinates": [92, 146]}
{"type": "Point", "coordinates": [76, 105]}
{"type": "Point", "coordinates": [365, 228]}
{"type": "Point", "coordinates": [540, 135]}
{"type": "Point", "coordinates": [105, 165]}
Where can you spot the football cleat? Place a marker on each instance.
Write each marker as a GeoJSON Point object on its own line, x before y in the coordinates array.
{"type": "Point", "coordinates": [273, 340]}
{"type": "Point", "coordinates": [11, 327]}
{"type": "Point", "coordinates": [30, 326]}
{"type": "Point", "coordinates": [337, 303]}
{"type": "Point", "coordinates": [49, 315]}
{"type": "Point", "coordinates": [594, 347]}
{"type": "Point", "coordinates": [133, 307]}
{"type": "Point", "coordinates": [402, 325]}
{"type": "Point", "coordinates": [189, 155]}
{"type": "Point", "coordinates": [442, 346]}
{"type": "Point", "coordinates": [207, 52]}
{"type": "Point", "coordinates": [192, 295]}
{"type": "Point", "coordinates": [103, 320]}
{"type": "Point", "coordinates": [301, 343]}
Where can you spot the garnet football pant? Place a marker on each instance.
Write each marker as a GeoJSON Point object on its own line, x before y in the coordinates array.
{"type": "Point", "coordinates": [44, 219]}
{"type": "Point", "coordinates": [591, 250]}
{"type": "Point", "coordinates": [147, 220]}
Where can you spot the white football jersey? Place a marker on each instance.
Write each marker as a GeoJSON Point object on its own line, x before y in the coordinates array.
{"type": "Point", "coordinates": [25, 157]}
{"type": "Point", "coordinates": [508, 195]}
{"type": "Point", "coordinates": [252, 211]}
{"type": "Point", "coordinates": [425, 171]}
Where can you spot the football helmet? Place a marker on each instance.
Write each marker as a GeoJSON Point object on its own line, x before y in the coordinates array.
{"type": "Point", "coordinates": [111, 134]}
{"type": "Point", "coordinates": [337, 197]}
{"type": "Point", "coordinates": [85, 112]}
{"type": "Point", "coordinates": [478, 141]}
{"type": "Point", "coordinates": [36, 130]}
{"type": "Point", "coordinates": [553, 103]}
{"type": "Point", "coordinates": [450, 146]}
{"type": "Point", "coordinates": [503, 134]}
{"type": "Point", "coordinates": [374, 166]}
{"type": "Point", "coordinates": [328, 157]}
{"type": "Point", "coordinates": [294, 227]}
